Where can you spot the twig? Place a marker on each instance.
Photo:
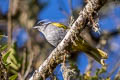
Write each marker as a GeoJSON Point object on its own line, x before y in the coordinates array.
{"type": "Point", "coordinates": [20, 76]}
{"type": "Point", "coordinates": [71, 7]}
{"type": "Point", "coordinates": [30, 58]}
{"type": "Point", "coordinates": [23, 63]}
{"type": "Point", "coordinates": [10, 23]}
{"type": "Point", "coordinates": [90, 64]}
{"type": "Point", "coordinates": [29, 47]}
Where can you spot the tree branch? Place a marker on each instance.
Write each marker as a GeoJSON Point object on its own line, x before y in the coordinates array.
{"type": "Point", "coordinates": [67, 44]}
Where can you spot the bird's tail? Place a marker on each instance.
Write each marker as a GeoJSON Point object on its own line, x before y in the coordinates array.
{"type": "Point", "coordinates": [97, 54]}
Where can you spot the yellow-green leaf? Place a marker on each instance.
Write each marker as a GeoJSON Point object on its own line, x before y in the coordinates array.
{"type": "Point", "coordinates": [13, 77]}
{"type": "Point", "coordinates": [4, 58]}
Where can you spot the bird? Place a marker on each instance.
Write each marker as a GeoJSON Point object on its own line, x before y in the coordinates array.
{"type": "Point", "coordinates": [54, 33]}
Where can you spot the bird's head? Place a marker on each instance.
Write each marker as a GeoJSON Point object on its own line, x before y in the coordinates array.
{"type": "Point", "coordinates": [41, 25]}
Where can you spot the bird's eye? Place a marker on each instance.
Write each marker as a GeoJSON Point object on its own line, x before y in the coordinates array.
{"type": "Point", "coordinates": [41, 23]}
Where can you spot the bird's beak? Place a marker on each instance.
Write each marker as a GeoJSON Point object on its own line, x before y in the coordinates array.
{"type": "Point", "coordinates": [35, 27]}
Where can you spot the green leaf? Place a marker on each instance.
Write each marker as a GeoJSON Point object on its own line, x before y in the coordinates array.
{"type": "Point", "coordinates": [4, 58]}
{"type": "Point", "coordinates": [13, 77]}
{"type": "Point", "coordinates": [3, 42]}
{"type": "Point", "coordinates": [3, 48]}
